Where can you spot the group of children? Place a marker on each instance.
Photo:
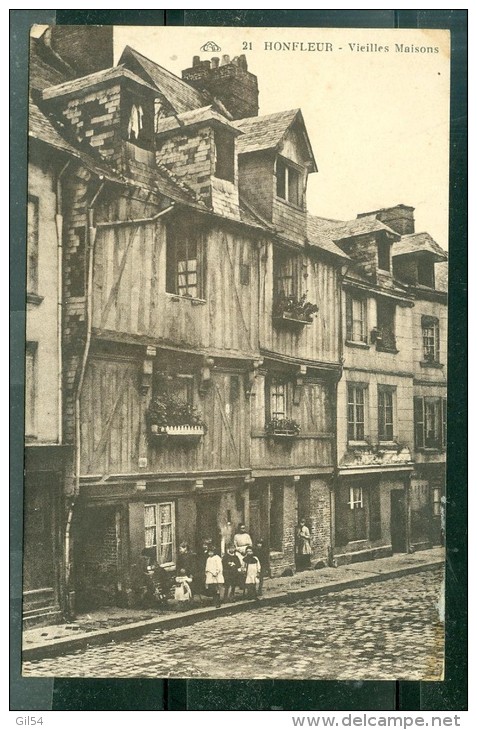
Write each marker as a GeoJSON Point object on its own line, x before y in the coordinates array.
{"type": "Point", "coordinates": [219, 577]}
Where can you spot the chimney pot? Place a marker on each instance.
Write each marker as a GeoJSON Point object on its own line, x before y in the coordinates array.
{"type": "Point", "coordinates": [214, 62]}
{"type": "Point", "coordinates": [225, 60]}
{"type": "Point", "coordinates": [195, 60]}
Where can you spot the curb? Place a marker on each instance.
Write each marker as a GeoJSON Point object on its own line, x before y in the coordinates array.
{"type": "Point", "coordinates": [133, 630]}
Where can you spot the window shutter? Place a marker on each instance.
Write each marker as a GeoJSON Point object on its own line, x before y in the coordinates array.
{"type": "Point", "coordinates": [171, 279]}
{"type": "Point", "coordinates": [349, 317]}
{"type": "Point", "coordinates": [437, 343]}
{"type": "Point", "coordinates": [419, 422]}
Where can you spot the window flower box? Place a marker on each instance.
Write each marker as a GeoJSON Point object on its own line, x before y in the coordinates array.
{"type": "Point", "coordinates": [293, 311]}
{"type": "Point", "coordinates": [171, 416]}
{"type": "Point", "coordinates": [282, 428]}
{"type": "Point", "coordinates": [178, 431]}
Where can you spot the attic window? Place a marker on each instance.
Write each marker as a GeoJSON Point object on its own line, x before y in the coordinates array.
{"type": "Point", "coordinates": [224, 155]}
{"type": "Point", "coordinates": [384, 259]}
{"type": "Point", "coordinates": [136, 122]}
{"type": "Point", "coordinates": [425, 272]}
{"type": "Point", "coordinates": [289, 182]}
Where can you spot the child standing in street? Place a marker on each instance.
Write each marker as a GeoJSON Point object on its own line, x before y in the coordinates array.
{"type": "Point", "coordinates": [214, 576]}
{"type": "Point", "coordinates": [231, 568]}
{"type": "Point", "coordinates": [252, 573]}
{"type": "Point", "coordinates": [182, 591]}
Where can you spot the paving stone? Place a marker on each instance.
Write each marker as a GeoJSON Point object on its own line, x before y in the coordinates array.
{"type": "Point", "coordinates": [360, 633]}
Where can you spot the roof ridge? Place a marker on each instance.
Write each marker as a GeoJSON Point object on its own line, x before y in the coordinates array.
{"type": "Point", "coordinates": [163, 68]}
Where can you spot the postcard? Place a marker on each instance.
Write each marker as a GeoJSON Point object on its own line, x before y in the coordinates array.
{"type": "Point", "coordinates": [236, 346]}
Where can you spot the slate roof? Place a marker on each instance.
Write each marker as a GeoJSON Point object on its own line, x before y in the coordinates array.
{"type": "Point", "coordinates": [317, 237]}
{"type": "Point", "coordinates": [195, 116]}
{"type": "Point", "coordinates": [340, 230]}
{"type": "Point", "coordinates": [418, 243]}
{"type": "Point", "coordinates": [180, 95]}
{"type": "Point", "coordinates": [72, 86]}
{"type": "Point", "coordinates": [265, 132]}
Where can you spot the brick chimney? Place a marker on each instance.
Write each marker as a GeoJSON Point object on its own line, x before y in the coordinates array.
{"type": "Point", "coordinates": [400, 218]}
{"type": "Point", "coordinates": [86, 48]}
{"type": "Point", "coordinates": [227, 80]}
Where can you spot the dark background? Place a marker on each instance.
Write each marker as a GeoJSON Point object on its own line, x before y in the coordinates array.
{"type": "Point", "coordinates": [31, 694]}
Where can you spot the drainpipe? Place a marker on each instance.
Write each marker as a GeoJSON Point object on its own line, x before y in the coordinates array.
{"type": "Point", "coordinates": [340, 276]}
{"type": "Point", "coordinates": [91, 238]}
{"type": "Point", "coordinates": [59, 238]}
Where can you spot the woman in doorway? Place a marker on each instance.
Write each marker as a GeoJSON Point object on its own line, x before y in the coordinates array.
{"type": "Point", "coordinates": [303, 546]}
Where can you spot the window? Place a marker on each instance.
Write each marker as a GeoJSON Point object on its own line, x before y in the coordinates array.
{"type": "Point", "coordinates": [285, 274]}
{"type": "Point", "coordinates": [224, 155]}
{"type": "Point", "coordinates": [184, 261]}
{"type": "Point", "coordinates": [33, 240]}
{"type": "Point", "coordinates": [289, 182]}
{"type": "Point", "coordinates": [136, 122]}
{"type": "Point", "coordinates": [386, 339]}
{"type": "Point", "coordinates": [137, 119]}
{"type": "Point", "coordinates": [77, 262]}
{"type": "Point", "coordinates": [384, 258]}
{"type": "Point", "coordinates": [356, 327]}
{"type": "Point", "coordinates": [436, 502]}
{"type": "Point", "coordinates": [430, 422]}
{"type": "Point", "coordinates": [385, 414]}
{"type": "Point", "coordinates": [356, 405]}
{"type": "Point", "coordinates": [425, 272]}
{"type": "Point", "coordinates": [357, 529]}
{"type": "Point", "coordinates": [356, 497]}
{"type": "Point", "coordinates": [430, 339]}
{"type": "Point", "coordinates": [278, 401]}
{"type": "Point", "coordinates": [30, 388]}
{"type": "Point", "coordinates": [159, 531]}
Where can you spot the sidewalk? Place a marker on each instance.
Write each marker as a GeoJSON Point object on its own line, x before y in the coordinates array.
{"type": "Point", "coordinates": [121, 624]}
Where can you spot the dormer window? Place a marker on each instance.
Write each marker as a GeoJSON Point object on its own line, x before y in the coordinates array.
{"type": "Point", "coordinates": [137, 119]}
{"type": "Point", "coordinates": [289, 182]}
{"type": "Point", "coordinates": [425, 272]}
{"type": "Point", "coordinates": [136, 122]}
{"type": "Point", "coordinates": [224, 155]}
{"type": "Point", "coordinates": [384, 258]}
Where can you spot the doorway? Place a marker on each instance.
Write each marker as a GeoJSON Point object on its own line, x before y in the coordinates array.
{"type": "Point", "coordinates": [207, 520]}
{"type": "Point", "coordinates": [398, 521]}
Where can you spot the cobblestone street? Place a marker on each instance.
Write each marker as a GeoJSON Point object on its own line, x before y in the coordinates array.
{"type": "Point", "coordinates": [389, 630]}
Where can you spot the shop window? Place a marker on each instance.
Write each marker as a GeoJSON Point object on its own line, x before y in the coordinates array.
{"type": "Point", "coordinates": [430, 422]}
{"type": "Point", "coordinates": [356, 412]}
{"type": "Point", "coordinates": [430, 339]}
{"type": "Point", "coordinates": [30, 388]}
{"type": "Point", "coordinates": [356, 326]}
{"type": "Point", "coordinates": [159, 531]}
{"type": "Point", "coordinates": [185, 262]}
{"type": "Point", "coordinates": [32, 248]}
{"type": "Point", "coordinates": [224, 155]}
{"type": "Point", "coordinates": [289, 182]}
{"type": "Point", "coordinates": [385, 413]}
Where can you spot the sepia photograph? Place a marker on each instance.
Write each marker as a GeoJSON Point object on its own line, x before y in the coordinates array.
{"type": "Point", "coordinates": [236, 352]}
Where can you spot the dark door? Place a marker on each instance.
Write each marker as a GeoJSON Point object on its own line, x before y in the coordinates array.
{"type": "Point", "coordinates": [398, 521]}
{"type": "Point", "coordinates": [207, 520]}
{"type": "Point", "coordinates": [39, 571]}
